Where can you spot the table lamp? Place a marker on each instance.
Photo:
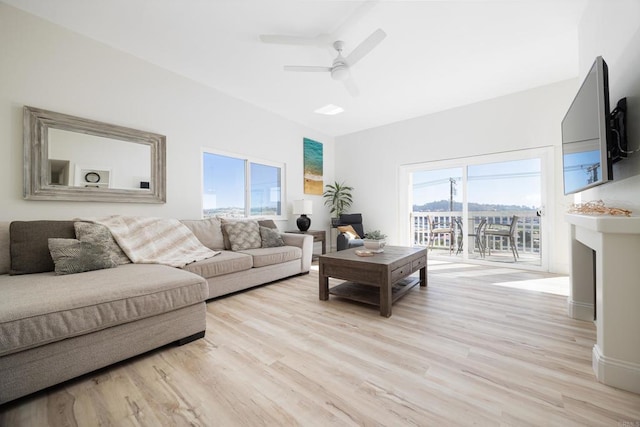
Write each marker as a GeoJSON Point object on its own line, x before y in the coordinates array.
{"type": "Point", "coordinates": [304, 208]}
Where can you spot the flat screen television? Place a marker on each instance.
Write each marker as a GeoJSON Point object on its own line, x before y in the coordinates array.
{"type": "Point", "coordinates": [586, 158]}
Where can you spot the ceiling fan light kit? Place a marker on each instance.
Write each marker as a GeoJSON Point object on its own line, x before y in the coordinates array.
{"type": "Point", "coordinates": [340, 72]}
{"type": "Point", "coordinates": [340, 68]}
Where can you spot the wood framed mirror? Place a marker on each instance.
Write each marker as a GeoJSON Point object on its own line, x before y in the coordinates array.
{"type": "Point", "coordinates": [77, 159]}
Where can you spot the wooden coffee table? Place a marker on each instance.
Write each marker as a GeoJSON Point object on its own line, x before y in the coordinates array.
{"type": "Point", "coordinates": [380, 279]}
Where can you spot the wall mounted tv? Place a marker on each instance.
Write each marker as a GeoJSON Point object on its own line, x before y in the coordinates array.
{"type": "Point", "coordinates": [589, 145]}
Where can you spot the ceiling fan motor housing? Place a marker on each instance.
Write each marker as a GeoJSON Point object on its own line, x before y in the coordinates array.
{"type": "Point", "coordinates": [339, 71]}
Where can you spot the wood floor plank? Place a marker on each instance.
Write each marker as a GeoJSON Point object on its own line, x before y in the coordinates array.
{"type": "Point", "coordinates": [476, 347]}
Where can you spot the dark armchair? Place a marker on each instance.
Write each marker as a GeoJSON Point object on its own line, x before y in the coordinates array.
{"type": "Point", "coordinates": [346, 238]}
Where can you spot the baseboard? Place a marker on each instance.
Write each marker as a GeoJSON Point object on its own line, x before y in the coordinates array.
{"type": "Point", "coordinates": [187, 340]}
{"type": "Point", "coordinates": [580, 310]}
{"type": "Point", "coordinates": [616, 373]}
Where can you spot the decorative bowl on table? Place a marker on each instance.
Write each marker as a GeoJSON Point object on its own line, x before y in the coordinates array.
{"type": "Point", "coordinates": [374, 245]}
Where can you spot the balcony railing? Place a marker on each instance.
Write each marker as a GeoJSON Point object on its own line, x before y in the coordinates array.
{"type": "Point", "coordinates": [527, 233]}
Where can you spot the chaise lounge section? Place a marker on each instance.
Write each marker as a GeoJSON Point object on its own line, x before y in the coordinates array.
{"type": "Point", "coordinates": [56, 327]}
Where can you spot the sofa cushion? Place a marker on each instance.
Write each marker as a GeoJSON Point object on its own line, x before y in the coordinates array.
{"type": "Point", "coordinates": [270, 238]}
{"type": "Point", "coordinates": [29, 244]}
{"type": "Point", "coordinates": [270, 256]}
{"type": "Point", "coordinates": [225, 262]}
{"type": "Point", "coordinates": [5, 258]}
{"type": "Point", "coordinates": [73, 256]}
{"type": "Point", "coordinates": [37, 309]}
{"type": "Point", "coordinates": [243, 234]}
{"type": "Point", "coordinates": [208, 231]}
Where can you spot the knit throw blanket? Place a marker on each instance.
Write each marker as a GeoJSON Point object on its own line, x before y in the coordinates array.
{"type": "Point", "coordinates": [148, 240]}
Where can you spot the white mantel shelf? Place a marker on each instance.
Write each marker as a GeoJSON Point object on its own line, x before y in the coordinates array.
{"type": "Point", "coordinates": [606, 224]}
{"type": "Point", "coordinates": [607, 286]}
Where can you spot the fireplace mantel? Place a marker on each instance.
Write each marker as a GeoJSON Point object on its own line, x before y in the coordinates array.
{"type": "Point", "coordinates": [605, 288]}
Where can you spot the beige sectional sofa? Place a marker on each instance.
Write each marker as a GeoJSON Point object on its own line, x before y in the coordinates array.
{"type": "Point", "coordinates": [231, 271]}
{"type": "Point", "coordinates": [56, 327]}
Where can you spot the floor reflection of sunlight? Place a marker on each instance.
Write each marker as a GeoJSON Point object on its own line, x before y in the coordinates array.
{"type": "Point", "coordinates": [551, 285]}
{"type": "Point", "coordinates": [482, 271]}
{"type": "Point", "coordinates": [558, 285]}
{"type": "Point", "coordinates": [440, 265]}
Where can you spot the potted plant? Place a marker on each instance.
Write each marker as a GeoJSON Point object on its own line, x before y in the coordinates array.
{"type": "Point", "coordinates": [374, 240]}
{"type": "Point", "coordinates": [338, 197]}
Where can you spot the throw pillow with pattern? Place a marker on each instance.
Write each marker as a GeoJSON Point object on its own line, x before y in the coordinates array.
{"type": "Point", "coordinates": [270, 238]}
{"type": "Point", "coordinates": [73, 256]}
{"type": "Point", "coordinates": [243, 235]}
{"type": "Point", "coordinates": [98, 234]}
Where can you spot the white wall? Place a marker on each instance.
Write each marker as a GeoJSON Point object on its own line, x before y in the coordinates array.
{"type": "Point", "coordinates": [370, 160]}
{"type": "Point", "coordinates": [46, 66]}
{"type": "Point", "coordinates": [612, 29]}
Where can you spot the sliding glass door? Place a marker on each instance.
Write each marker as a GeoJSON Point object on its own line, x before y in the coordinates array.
{"type": "Point", "coordinates": [487, 208]}
{"type": "Point", "coordinates": [499, 192]}
{"type": "Point", "coordinates": [436, 208]}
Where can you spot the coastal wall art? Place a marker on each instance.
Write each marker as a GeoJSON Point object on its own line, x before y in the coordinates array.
{"type": "Point", "coordinates": [313, 183]}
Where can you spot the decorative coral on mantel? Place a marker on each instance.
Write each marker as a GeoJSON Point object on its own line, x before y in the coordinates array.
{"type": "Point", "coordinates": [597, 207]}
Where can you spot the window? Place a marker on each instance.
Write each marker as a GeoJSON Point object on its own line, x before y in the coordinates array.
{"type": "Point", "coordinates": [236, 186]}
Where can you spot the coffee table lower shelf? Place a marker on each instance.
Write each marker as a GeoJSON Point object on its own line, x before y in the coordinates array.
{"type": "Point", "coordinates": [371, 294]}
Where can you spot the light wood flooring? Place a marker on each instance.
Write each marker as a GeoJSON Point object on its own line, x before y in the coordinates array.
{"type": "Point", "coordinates": [476, 347]}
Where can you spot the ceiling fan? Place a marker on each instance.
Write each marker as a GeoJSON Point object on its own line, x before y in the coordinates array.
{"type": "Point", "coordinates": [340, 68]}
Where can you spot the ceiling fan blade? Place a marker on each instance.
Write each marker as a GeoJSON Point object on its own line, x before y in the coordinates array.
{"type": "Point", "coordinates": [352, 19]}
{"type": "Point", "coordinates": [351, 87]}
{"type": "Point", "coordinates": [365, 47]}
{"type": "Point", "coordinates": [292, 40]}
{"type": "Point", "coordinates": [306, 68]}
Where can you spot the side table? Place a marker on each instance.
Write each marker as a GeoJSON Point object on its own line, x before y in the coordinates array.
{"type": "Point", "coordinates": [318, 236]}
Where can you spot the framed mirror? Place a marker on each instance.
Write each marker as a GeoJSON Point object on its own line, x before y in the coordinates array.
{"type": "Point", "coordinates": [71, 158]}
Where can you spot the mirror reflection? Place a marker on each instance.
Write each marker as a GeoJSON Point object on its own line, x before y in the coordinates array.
{"type": "Point", "coordinates": [80, 160]}
{"type": "Point", "coordinates": [72, 158]}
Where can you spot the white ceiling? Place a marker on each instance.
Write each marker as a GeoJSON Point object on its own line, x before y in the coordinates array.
{"type": "Point", "coordinates": [437, 54]}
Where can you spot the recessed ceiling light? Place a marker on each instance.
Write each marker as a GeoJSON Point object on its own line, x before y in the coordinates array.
{"type": "Point", "coordinates": [329, 110]}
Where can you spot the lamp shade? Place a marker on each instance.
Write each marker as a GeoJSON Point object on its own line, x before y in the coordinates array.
{"type": "Point", "coordinates": [302, 207]}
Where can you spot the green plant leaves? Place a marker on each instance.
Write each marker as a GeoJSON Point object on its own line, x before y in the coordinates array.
{"type": "Point", "coordinates": [338, 197]}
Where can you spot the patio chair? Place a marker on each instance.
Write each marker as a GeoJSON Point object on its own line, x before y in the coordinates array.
{"type": "Point", "coordinates": [436, 230]}
{"type": "Point", "coordinates": [478, 236]}
{"type": "Point", "coordinates": [508, 231]}
{"type": "Point", "coordinates": [460, 235]}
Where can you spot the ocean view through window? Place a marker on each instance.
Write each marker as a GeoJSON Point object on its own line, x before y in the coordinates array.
{"type": "Point", "coordinates": [235, 186]}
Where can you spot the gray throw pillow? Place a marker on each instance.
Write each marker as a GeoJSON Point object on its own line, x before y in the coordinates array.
{"type": "Point", "coordinates": [73, 256]}
{"type": "Point", "coordinates": [270, 238]}
{"type": "Point", "coordinates": [269, 223]}
{"type": "Point", "coordinates": [29, 246]}
{"type": "Point", "coordinates": [243, 235]}
{"type": "Point", "coordinates": [98, 234]}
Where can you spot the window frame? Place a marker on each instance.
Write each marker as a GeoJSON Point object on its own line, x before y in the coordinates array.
{"type": "Point", "coordinates": [248, 161]}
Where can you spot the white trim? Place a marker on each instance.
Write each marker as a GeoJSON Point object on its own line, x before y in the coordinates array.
{"type": "Point", "coordinates": [614, 372]}
{"type": "Point", "coordinates": [580, 310]}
